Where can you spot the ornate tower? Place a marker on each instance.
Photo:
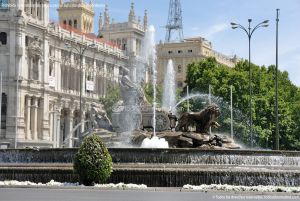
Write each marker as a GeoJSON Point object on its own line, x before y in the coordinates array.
{"type": "Point", "coordinates": [100, 24]}
{"type": "Point", "coordinates": [145, 19]}
{"type": "Point", "coordinates": [106, 17]}
{"type": "Point", "coordinates": [131, 16]}
{"type": "Point", "coordinates": [77, 14]}
{"type": "Point", "coordinates": [174, 23]}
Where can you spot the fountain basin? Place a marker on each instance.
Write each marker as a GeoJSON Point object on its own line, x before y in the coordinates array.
{"type": "Point", "coordinates": [161, 167]}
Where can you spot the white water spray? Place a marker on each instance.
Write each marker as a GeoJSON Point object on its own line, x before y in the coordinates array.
{"type": "Point", "coordinates": [169, 89]}
{"type": "Point", "coordinates": [150, 55]}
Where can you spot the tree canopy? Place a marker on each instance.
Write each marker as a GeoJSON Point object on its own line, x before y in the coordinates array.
{"type": "Point", "coordinates": [208, 72]}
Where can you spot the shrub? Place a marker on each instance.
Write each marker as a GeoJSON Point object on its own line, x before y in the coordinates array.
{"type": "Point", "coordinates": [93, 162]}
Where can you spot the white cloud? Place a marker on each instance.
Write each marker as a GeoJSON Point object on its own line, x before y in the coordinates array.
{"type": "Point", "coordinates": [215, 29]}
{"type": "Point", "coordinates": [211, 31]}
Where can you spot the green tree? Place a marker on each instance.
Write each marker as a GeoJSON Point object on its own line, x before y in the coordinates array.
{"type": "Point", "coordinates": [208, 72]}
{"type": "Point", "coordinates": [112, 97]}
{"type": "Point", "coordinates": [149, 90]}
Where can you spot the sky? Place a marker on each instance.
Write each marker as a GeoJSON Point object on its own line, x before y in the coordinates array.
{"type": "Point", "coordinates": [211, 19]}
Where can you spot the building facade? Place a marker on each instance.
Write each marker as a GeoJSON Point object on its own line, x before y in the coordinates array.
{"type": "Point", "coordinates": [77, 14]}
{"type": "Point", "coordinates": [183, 53]}
{"type": "Point", "coordinates": [41, 74]}
{"type": "Point", "coordinates": [129, 37]}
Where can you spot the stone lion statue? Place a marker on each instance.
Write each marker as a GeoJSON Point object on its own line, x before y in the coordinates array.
{"type": "Point", "coordinates": [201, 120]}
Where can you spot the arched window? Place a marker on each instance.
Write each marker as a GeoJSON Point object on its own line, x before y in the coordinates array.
{"type": "Point", "coordinates": [3, 38]}
{"type": "Point", "coordinates": [75, 24]}
{"type": "Point", "coordinates": [70, 22]}
{"type": "Point", "coordinates": [65, 22]}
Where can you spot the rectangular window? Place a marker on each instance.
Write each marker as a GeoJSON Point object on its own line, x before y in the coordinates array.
{"type": "Point", "coordinates": [190, 51]}
{"type": "Point", "coordinates": [3, 38]}
{"type": "Point", "coordinates": [26, 41]}
{"type": "Point", "coordinates": [179, 51]}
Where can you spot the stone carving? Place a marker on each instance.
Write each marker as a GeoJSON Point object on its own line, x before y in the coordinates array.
{"type": "Point", "coordinates": [185, 136]}
{"type": "Point", "coordinates": [131, 93]}
{"type": "Point", "coordinates": [34, 48]}
{"type": "Point", "coordinates": [201, 120]}
{"type": "Point", "coordinates": [99, 119]}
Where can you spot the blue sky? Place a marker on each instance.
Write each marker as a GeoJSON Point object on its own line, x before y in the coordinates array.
{"type": "Point", "coordinates": [211, 19]}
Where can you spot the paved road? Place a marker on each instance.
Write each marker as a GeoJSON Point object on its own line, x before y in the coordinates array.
{"type": "Point", "coordinates": [44, 194]}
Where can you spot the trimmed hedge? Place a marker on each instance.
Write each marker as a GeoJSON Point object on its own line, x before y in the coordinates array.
{"type": "Point", "coordinates": [93, 162]}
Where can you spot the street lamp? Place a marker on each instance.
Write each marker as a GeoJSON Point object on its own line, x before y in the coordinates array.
{"type": "Point", "coordinates": [276, 99]}
{"type": "Point", "coordinates": [80, 50]}
{"type": "Point", "coordinates": [249, 33]}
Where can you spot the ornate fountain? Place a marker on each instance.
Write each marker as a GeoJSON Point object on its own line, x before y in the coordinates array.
{"type": "Point", "coordinates": [135, 113]}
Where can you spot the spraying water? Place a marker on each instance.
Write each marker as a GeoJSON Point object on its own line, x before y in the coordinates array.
{"type": "Point", "coordinates": [241, 122]}
{"type": "Point", "coordinates": [150, 55]}
{"type": "Point", "coordinates": [151, 58]}
{"type": "Point", "coordinates": [169, 91]}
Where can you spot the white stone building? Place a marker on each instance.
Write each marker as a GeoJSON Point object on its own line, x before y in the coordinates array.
{"type": "Point", "coordinates": [129, 37]}
{"type": "Point", "coordinates": [41, 75]}
{"type": "Point", "coordinates": [185, 52]}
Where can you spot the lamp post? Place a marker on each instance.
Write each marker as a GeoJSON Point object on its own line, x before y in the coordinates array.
{"type": "Point", "coordinates": [249, 33]}
{"type": "Point", "coordinates": [276, 101]}
{"type": "Point", "coordinates": [80, 51]}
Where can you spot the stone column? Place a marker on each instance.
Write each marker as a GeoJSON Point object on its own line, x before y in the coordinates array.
{"type": "Point", "coordinates": [51, 122]}
{"type": "Point", "coordinates": [58, 66]}
{"type": "Point", "coordinates": [39, 118]}
{"type": "Point", "coordinates": [95, 78]}
{"type": "Point", "coordinates": [45, 69]}
{"type": "Point", "coordinates": [70, 128]}
{"type": "Point", "coordinates": [105, 77]}
{"type": "Point", "coordinates": [34, 122]}
{"type": "Point", "coordinates": [44, 118]}
{"type": "Point", "coordinates": [46, 12]}
{"type": "Point", "coordinates": [28, 112]}
{"type": "Point", "coordinates": [57, 129]}
{"type": "Point", "coordinates": [56, 125]}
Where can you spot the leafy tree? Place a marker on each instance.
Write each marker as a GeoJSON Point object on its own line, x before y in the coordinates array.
{"type": "Point", "coordinates": [208, 72]}
{"type": "Point", "coordinates": [149, 90]}
{"type": "Point", "coordinates": [112, 97]}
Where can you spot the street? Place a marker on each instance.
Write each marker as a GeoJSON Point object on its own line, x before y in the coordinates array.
{"type": "Point", "coordinates": [79, 194]}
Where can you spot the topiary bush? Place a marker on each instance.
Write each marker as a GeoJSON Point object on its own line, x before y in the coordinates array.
{"type": "Point", "coordinates": [93, 162]}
